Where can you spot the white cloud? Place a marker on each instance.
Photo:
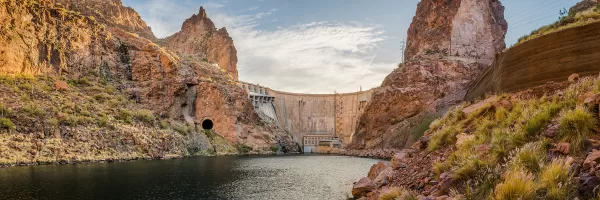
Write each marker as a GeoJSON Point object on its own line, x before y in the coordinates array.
{"type": "Point", "coordinates": [317, 57]}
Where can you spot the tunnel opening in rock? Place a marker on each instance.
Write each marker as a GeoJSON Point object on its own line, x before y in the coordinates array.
{"type": "Point", "coordinates": [207, 124]}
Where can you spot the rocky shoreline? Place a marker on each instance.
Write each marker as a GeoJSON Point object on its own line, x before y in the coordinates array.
{"type": "Point", "coordinates": [372, 153]}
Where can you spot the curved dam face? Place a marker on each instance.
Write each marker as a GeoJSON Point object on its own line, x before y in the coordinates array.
{"type": "Point", "coordinates": [553, 57]}
{"type": "Point", "coordinates": [310, 117]}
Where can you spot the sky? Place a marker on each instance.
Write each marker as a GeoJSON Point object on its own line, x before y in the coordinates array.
{"type": "Point", "coordinates": [322, 46]}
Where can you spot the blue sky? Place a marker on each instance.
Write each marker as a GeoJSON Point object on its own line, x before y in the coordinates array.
{"type": "Point", "coordinates": [321, 46]}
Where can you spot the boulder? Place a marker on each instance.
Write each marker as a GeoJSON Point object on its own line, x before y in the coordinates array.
{"type": "Point", "coordinates": [588, 184]}
{"type": "Point", "coordinates": [551, 130]}
{"type": "Point", "coordinates": [591, 160]}
{"type": "Point", "coordinates": [573, 78]}
{"type": "Point", "coordinates": [384, 177]}
{"type": "Point", "coordinates": [422, 143]}
{"type": "Point", "coordinates": [376, 169]}
{"type": "Point", "coordinates": [563, 147]}
{"type": "Point", "coordinates": [396, 161]}
{"type": "Point", "coordinates": [362, 188]}
{"type": "Point", "coordinates": [446, 181]}
{"type": "Point", "coordinates": [61, 86]}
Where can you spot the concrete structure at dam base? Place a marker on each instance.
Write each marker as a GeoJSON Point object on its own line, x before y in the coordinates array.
{"type": "Point", "coordinates": [310, 117]}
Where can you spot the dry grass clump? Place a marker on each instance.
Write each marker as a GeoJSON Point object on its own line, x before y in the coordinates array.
{"type": "Point", "coordinates": [145, 115]}
{"type": "Point", "coordinates": [556, 180]}
{"type": "Point", "coordinates": [517, 184]}
{"type": "Point", "coordinates": [530, 157]}
{"type": "Point", "coordinates": [575, 127]}
{"type": "Point", "coordinates": [398, 193]}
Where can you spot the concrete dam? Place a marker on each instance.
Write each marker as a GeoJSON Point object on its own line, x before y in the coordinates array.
{"type": "Point", "coordinates": [310, 117]}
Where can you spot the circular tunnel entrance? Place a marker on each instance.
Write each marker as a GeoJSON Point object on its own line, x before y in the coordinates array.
{"type": "Point", "coordinates": [207, 124]}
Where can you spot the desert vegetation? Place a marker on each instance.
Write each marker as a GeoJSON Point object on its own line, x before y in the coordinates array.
{"type": "Point", "coordinates": [45, 119]}
{"type": "Point", "coordinates": [513, 147]}
{"type": "Point", "coordinates": [573, 19]}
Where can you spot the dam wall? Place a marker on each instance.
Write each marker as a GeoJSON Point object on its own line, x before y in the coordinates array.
{"type": "Point", "coordinates": [311, 115]}
{"type": "Point", "coordinates": [550, 58]}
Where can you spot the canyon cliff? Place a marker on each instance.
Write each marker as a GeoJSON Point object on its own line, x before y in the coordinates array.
{"type": "Point", "coordinates": [467, 29]}
{"type": "Point", "coordinates": [432, 80]}
{"type": "Point", "coordinates": [199, 38]}
{"type": "Point", "coordinates": [147, 101]}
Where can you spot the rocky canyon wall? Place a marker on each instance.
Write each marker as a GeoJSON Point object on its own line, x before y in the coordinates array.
{"type": "Point", "coordinates": [449, 44]}
{"type": "Point", "coordinates": [111, 13]}
{"type": "Point", "coordinates": [199, 38]}
{"type": "Point", "coordinates": [464, 29]}
{"type": "Point", "coordinates": [113, 46]}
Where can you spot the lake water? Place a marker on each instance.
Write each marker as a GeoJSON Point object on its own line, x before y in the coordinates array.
{"type": "Point", "coordinates": [275, 177]}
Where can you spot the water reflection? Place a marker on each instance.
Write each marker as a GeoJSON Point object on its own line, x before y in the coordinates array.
{"type": "Point", "coordinates": [282, 177]}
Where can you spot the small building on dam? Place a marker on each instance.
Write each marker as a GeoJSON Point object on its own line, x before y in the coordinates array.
{"type": "Point", "coordinates": [310, 118]}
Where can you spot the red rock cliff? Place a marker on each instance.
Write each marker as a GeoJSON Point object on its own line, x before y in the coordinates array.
{"type": "Point", "coordinates": [112, 13]}
{"type": "Point", "coordinates": [200, 39]}
{"type": "Point", "coordinates": [431, 81]}
{"type": "Point", "coordinates": [48, 39]}
{"type": "Point", "coordinates": [470, 29]}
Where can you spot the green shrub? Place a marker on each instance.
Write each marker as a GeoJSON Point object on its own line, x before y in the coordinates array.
{"type": "Point", "coordinates": [5, 123]}
{"type": "Point", "coordinates": [243, 149]}
{"type": "Point", "coordinates": [103, 121]}
{"type": "Point", "coordinates": [164, 124]}
{"type": "Point", "coordinates": [275, 148]}
{"type": "Point", "coordinates": [34, 110]}
{"type": "Point", "coordinates": [5, 111]}
{"type": "Point", "coordinates": [125, 116]}
{"type": "Point", "coordinates": [181, 128]}
{"type": "Point", "coordinates": [53, 122]}
{"type": "Point", "coordinates": [575, 127]}
{"type": "Point", "coordinates": [420, 129]}
{"type": "Point", "coordinates": [26, 86]}
{"type": "Point", "coordinates": [145, 115]}
{"type": "Point", "coordinates": [102, 97]}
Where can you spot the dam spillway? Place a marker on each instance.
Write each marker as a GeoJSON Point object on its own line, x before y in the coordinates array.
{"type": "Point", "coordinates": [310, 117]}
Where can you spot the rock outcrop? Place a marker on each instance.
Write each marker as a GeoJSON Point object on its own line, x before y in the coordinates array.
{"type": "Point", "coordinates": [468, 29]}
{"type": "Point", "coordinates": [411, 94]}
{"type": "Point", "coordinates": [42, 38]}
{"type": "Point", "coordinates": [111, 48]}
{"type": "Point", "coordinates": [200, 39]}
{"type": "Point", "coordinates": [112, 13]}
{"type": "Point", "coordinates": [434, 77]}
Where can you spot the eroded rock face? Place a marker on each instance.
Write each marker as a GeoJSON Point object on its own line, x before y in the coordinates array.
{"type": "Point", "coordinates": [183, 89]}
{"type": "Point", "coordinates": [32, 42]}
{"type": "Point", "coordinates": [411, 93]}
{"type": "Point", "coordinates": [200, 39]}
{"type": "Point", "coordinates": [449, 43]}
{"type": "Point", "coordinates": [470, 29]}
{"type": "Point", "coordinates": [112, 13]}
